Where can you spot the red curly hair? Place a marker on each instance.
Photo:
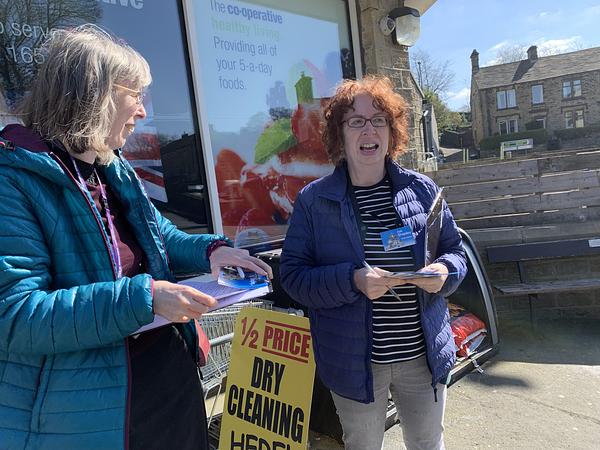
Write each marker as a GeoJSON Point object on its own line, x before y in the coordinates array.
{"type": "Point", "coordinates": [384, 98]}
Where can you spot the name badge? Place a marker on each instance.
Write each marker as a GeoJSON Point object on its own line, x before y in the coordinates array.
{"type": "Point", "coordinates": [397, 238]}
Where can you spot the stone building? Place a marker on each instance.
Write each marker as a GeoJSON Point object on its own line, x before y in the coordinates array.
{"type": "Point", "coordinates": [552, 92]}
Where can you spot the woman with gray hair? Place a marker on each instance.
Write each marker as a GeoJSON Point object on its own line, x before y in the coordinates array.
{"type": "Point", "coordinates": [86, 260]}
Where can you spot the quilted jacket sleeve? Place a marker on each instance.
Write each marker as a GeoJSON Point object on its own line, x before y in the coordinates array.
{"type": "Point", "coordinates": [187, 252]}
{"type": "Point", "coordinates": [313, 285]}
{"type": "Point", "coordinates": [36, 319]}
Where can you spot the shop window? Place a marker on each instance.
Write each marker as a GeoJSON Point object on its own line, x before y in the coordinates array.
{"type": "Point", "coordinates": [506, 99]}
{"type": "Point", "coordinates": [571, 88]}
{"type": "Point", "coordinates": [265, 70]}
{"type": "Point", "coordinates": [164, 150]}
{"type": "Point", "coordinates": [537, 94]}
{"type": "Point", "coordinates": [508, 126]}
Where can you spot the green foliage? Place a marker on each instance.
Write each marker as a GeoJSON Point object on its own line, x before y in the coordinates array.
{"type": "Point", "coordinates": [574, 133]}
{"type": "Point", "coordinates": [446, 119]}
{"type": "Point", "coordinates": [275, 139]}
{"type": "Point", "coordinates": [533, 125]}
{"type": "Point", "coordinates": [493, 143]}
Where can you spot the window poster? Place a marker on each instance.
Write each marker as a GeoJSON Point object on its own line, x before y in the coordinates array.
{"type": "Point", "coordinates": [266, 73]}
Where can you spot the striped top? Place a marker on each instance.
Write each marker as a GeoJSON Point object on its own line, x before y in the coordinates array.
{"type": "Point", "coordinates": [397, 332]}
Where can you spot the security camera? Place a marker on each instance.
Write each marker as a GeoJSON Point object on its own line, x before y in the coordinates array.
{"type": "Point", "coordinates": [404, 23]}
{"type": "Point", "coordinates": [387, 25]}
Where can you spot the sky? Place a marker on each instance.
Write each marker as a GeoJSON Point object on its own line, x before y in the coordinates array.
{"type": "Point", "coordinates": [451, 29]}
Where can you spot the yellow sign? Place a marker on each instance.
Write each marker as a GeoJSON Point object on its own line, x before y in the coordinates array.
{"type": "Point", "coordinates": [269, 383]}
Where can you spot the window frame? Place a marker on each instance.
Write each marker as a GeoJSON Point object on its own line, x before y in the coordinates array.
{"type": "Point", "coordinates": [569, 122]}
{"type": "Point", "coordinates": [572, 88]}
{"type": "Point", "coordinates": [578, 118]}
{"type": "Point", "coordinates": [508, 122]}
{"type": "Point", "coordinates": [541, 86]}
{"type": "Point", "coordinates": [542, 120]}
{"type": "Point", "coordinates": [506, 96]}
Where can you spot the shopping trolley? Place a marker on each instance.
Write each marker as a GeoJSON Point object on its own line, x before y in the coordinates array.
{"type": "Point", "coordinates": [218, 327]}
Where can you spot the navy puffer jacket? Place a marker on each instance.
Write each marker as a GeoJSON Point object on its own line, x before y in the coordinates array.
{"type": "Point", "coordinates": [323, 248]}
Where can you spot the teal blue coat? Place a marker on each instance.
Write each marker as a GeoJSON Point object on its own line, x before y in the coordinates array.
{"type": "Point", "coordinates": [64, 319]}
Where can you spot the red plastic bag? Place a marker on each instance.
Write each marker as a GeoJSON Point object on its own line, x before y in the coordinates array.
{"type": "Point", "coordinates": [468, 331]}
{"type": "Point", "coordinates": [203, 345]}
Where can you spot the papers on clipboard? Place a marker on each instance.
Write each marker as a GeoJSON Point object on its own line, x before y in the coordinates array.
{"type": "Point", "coordinates": [434, 228]}
{"type": "Point", "coordinates": [224, 295]}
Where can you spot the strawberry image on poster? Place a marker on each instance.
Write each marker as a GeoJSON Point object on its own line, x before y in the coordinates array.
{"type": "Point", "coordinates": [288, 155]}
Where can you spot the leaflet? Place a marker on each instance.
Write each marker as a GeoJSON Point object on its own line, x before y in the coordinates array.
{"type": "Point", "coordinates": [412, 275]}
{"type": "Point", "coordinates": [224, 295]}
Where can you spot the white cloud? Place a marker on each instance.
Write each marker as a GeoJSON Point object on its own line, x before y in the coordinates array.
{"type": "Point", "coordinates": [499, 52]}
{"type": "Point", "coordinates": [548, 17]}
{"type": "Point", "coordinates": [457, 100]}
{"type": "Point", "coordinates": [556, 46]}
{"type": "Point", "coordinates": [498, 46]}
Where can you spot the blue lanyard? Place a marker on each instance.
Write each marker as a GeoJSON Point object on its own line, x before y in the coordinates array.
{"type": "Point", "coordinates": [114, 247]}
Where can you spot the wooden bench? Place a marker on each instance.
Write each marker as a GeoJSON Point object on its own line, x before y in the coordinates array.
{"type": "Point", "coordinates": [520, 253]}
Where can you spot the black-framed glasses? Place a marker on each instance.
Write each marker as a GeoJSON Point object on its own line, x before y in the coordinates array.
{"type": "Point", "coordinates": [138, 95]}
{"type": "Point", "coordinates": [359, 122]}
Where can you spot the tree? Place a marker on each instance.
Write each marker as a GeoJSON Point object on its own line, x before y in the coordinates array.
{"type": "Point", "coordinates": [508, 53]}
{"type": "Point", "coordinates": [432, 76]}
{"type": "Point", "coordinates": [435, 79]}
{"type": "Point", "coordinates": [446, 119]}
{"type": "Point", "coordinates": [31, 22]}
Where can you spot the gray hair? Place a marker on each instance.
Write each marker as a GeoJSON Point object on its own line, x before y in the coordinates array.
{"type": "Point", "coordinates": [72, 99]}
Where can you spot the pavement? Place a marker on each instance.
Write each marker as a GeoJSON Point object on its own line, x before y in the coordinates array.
{"type": "Point", "coordinates": [541, 391]}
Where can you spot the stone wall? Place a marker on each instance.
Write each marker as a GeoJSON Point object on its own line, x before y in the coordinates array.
{"type": "Point", "coordinates": [381, 55]}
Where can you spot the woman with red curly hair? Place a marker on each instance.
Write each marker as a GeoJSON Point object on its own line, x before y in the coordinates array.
{"type": "Point", "coordinates": [374, 334]}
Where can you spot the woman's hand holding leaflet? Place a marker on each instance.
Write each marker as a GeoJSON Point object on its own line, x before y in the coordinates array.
{"type": "Point", "coordinates": [432, 284]}
{"type": "Point", "coordinates": [372, 281]}
{"type": "Point", "coordinates": [180, 303]}
{"type": "Point", "coordinates": [375, 282]}
{"type": "Point", "coordinates": [237, 257]}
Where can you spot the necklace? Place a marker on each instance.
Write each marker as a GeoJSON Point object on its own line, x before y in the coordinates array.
{"type": "Point", "coordinates": [92, 180]}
